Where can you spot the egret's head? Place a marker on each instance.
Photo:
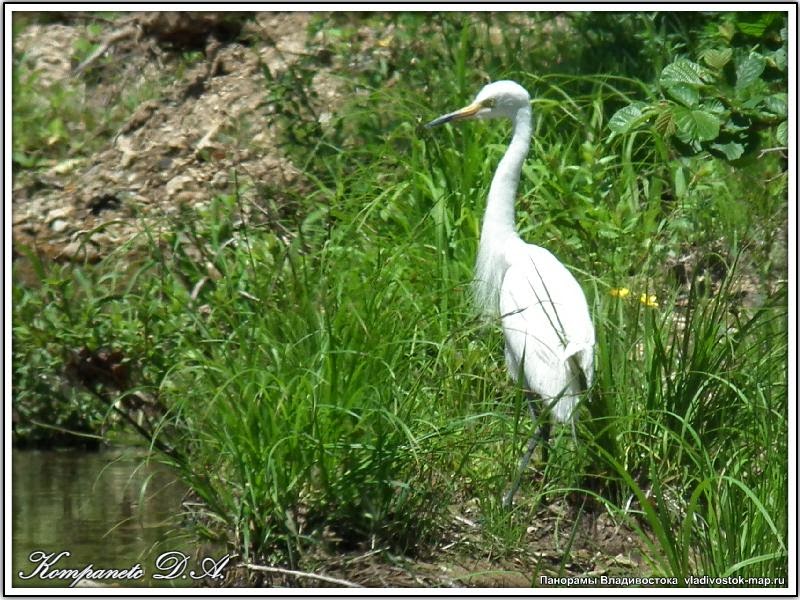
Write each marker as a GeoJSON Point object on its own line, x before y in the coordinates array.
{"type": "Point", "coordinates": [498, 99]}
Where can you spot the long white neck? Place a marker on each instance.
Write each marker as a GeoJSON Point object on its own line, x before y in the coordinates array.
{"type": "Point", "coordinates": [498, 220]}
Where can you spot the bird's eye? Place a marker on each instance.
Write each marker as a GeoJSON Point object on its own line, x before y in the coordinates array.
{"type": "Point", "coordinates": [488, 103]}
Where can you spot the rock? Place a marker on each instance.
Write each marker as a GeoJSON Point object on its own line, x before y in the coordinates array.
{"type": "Point", "coordinates": [58, 225]}
{"type": "Point", "coordinates": [141, 116]}
{"type": "Point", "coordinates": [79, 250]}
{"type": "Point", "coordinates": [62, 212]}
{"type": "Point", "coordinates": [178, 184]}
{"type": "Point", "coordinates": [220, 180]}
{"type": "Point", "coordinates": [189, 198]}
{"type": "Point", "coordinates": [66, 166]}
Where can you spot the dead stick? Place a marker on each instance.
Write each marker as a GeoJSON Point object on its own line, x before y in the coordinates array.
{"type": "Point", "coordinates": [301, 574]}
{"type": "Point", "coordinates": [113, 38]}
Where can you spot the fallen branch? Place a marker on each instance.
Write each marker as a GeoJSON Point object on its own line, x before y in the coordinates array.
{"type": "Point", "coordinates": [280, 571]}
{"type": "Point", "coordinates": [81, 434]}
{"type": "Point", "coordinates": [781, 149]}
{"type": "Point", "coordinates": [113, 38]}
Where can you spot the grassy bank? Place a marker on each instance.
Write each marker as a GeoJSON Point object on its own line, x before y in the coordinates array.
{"type": "Point", "coordinates": [321, 378]}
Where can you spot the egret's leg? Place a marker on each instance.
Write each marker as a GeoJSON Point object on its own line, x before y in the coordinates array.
{"type": "Point", "coordinates": [544, 436]}
{"type": "Point", "coordinates": [542, 433]}
{"type": "Point", "coordinates": [508, 499]}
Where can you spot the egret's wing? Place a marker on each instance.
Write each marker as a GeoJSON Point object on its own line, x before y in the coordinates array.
{"type": "Point", "coordinates": [546, 322]}
{"type": "Point", "coordinates": [582, 357]}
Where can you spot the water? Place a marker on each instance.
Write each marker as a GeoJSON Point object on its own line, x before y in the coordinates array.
{"type": "Point", "coordinates": [92, 504]}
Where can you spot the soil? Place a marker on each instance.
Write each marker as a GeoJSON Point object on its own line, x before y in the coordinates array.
{"type": "Point", "coordinates": [560, 543]}
{"type": "Point", "coordinates": [179, 150]}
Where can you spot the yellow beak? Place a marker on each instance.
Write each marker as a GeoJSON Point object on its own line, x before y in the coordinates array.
{"type": "Point", "coordinates": [467, 112]}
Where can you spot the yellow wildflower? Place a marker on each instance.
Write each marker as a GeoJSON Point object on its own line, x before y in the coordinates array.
{"type": "Point", "coordinates": [619, 292]}
{"type": "Point", "coordinates": [649, 300]}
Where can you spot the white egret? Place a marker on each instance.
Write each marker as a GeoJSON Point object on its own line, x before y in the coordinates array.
{"type": "Point", "coordinates": [549, 337]}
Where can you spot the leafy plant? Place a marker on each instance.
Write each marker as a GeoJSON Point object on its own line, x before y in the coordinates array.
{"type": "Point", "coordinates": [721, 104]}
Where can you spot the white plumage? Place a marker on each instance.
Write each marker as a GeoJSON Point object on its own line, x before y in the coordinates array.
{"type": "Point", "coordinates": [548, 331]}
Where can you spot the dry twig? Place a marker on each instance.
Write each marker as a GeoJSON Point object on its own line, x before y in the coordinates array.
{"type": "Point", "coordinates": [280, 571]}
{"type": "Point", "coordinates": [108, 41]}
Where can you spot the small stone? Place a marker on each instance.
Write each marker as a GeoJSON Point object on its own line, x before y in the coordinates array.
{"type": "Point", "coordinates": [65, 166]}
{"type": "Point", "coordinates": [58, 225]}
{"type": "Point", "coordinates": [78, 250]}
{"type": "Point", "coordinates": [59, 213]}
{"type": "Point", "coordinates": [220, 180]}
{"type": "Point", "coordinates": [103, 239]}
{"type": "Point", "coordinates": [188, 198]}
{"type": "Point", "coordinates": [177, 184]}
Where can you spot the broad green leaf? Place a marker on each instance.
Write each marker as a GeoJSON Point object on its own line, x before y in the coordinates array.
{"type": "Point", "coordinates": [779, 58]}
{"type": "Point", "coordinates": [782, 133]}
{"type": "Point", "coordinates": [757, 27]}
{"type": "Point", "coordinates": [726, 30]}
{"type": "Point", "coordinates": [731, 150]}
{"type": "Point", "coordinates": [626, 117]}
{"type": "Point", "coordinates": [777, 104]}
{"type": "Point", "coordinates": [732, 126]}
{"type": "Point", "coordinates": [696, 125]}
{"type": "Point", "coordinates": [749, 70]}
{"type": "Point", "coordinates": [681, 71]}
{"type": "Point", "coordinates": [707, 125]}
{"type": "Point", "coordinates": [665, 123]}
{"type": "Point", "coordinates": [717, 58]}
{"type": "Point", "coordinates": [753, 103]}
{"type": "Point", "coordinates": [714, 106]}
{"type": "Point", "coordinates": [685, 94]}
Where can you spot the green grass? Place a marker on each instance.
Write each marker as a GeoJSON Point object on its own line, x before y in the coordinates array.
{"type": "Point", "coordinates": [692, 423]}
{"type": "Point", "coordinates": [326, 381]}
